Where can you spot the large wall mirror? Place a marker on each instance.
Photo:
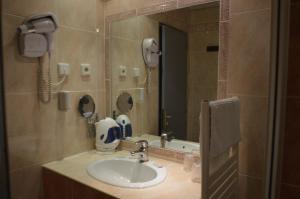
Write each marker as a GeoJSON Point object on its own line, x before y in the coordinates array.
{"type": "Point", "coordinates": [165, 95]}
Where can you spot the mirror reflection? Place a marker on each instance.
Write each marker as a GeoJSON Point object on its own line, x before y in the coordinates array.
{"type": "Point", "coordinates": [167, 63]}
{"type": "Point", "coordinates": [124, 102]}
{"type": "Point", "coordinates": [86, 106]}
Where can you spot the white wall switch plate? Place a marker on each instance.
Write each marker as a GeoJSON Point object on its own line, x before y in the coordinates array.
{"type": "Point", "coordinates": [86, 69]}
{"type": "Point", "coordinates": [136, 72]}
{"type": "Point", "coordinates": [123, 71]}
{"type": "Point", "coordinates": [63, 69]}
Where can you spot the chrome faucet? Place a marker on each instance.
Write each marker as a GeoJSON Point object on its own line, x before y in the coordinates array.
{"type": "Point", "coordinates": [142, 151]}
{"type": "Point", "coordinates": [163, 140]}
{"type": "Point", "coordinates": [164, 137]}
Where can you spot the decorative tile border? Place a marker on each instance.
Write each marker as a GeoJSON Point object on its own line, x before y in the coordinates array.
{"type": "Point", "coordinates": [224, 10]}
{"type": "Point", "coordinates": [188, 3]}
{"type": "Point", "coordinates": [222, 89]}
{"type": "Point", "coordinates": [168, 6]}
{"type": "Point", "coordinates": [223, 50]}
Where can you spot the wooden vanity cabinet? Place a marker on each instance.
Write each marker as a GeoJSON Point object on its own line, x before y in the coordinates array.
{"type": "Point", "coordinates": [57, 186]}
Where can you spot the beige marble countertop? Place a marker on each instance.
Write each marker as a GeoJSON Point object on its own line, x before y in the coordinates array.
{"type": "Point", "coordinates": [178, 183]}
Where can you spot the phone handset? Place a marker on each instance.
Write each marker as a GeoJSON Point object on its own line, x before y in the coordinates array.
{"type": "Point", "coordinates": [35, 41]}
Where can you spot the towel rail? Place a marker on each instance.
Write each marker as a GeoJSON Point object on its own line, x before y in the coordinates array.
{"type": "Point", "coordinates": [221, 183]}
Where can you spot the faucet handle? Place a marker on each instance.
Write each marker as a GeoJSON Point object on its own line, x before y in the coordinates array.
{"type": "Point", "coordinates": [164, 136]}
{"type": "Point", "coordinates": [142, 144]}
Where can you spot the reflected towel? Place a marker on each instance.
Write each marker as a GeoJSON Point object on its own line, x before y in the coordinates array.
{"type": "Point", "coordinates": [225, 125]}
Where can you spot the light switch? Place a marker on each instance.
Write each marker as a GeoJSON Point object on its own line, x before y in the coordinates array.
{"type": "Point", "coordinates": [63, 69]}
{"type": "Point", "coordinates": [136, 72]}
{"type": "Point", "coordinates": [86, 69]}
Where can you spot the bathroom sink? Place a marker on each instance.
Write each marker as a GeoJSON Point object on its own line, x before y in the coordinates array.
{"type": "Point", "coordinates": [126, 172]}
{"type": "Point", "coordinates": [177, 145]}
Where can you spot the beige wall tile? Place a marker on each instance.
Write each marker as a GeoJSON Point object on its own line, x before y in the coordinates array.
{"type": "Point", "coordinates": [254, 135]}
{"type": "Point", "coordinates": [32, 149]}
{"type": "Point", "coordinates": [203, 69]}
{"type": "Point", "coordinates": [223, 51]}
{"type": "Point", "coordinates": [101, 104]}
{"type": "Point", "coordinates": [100, 15]}
{"type": "Point", "coordinates": [31, 130]}
{"type": "Point", "coordinates": [20, 73]}
{"type": "Point", "coordinates": [198, 41]}
{"type": "Point", "coordinates": [71, 128]}
{"type": "Point", "coordinates": [127, 29]}
{"type": "Point", "coordinates": [205, 15]}
{"type": "Point", "coordinates": [78, 14]}
{"type": "Point", "coordinates": [248, 5]}
{"type": "Point", "coordinates": [123, 52]}
{"type": "Point", "coordinates": [28, 7]}
{"type": "Point", "coordinates": [249, 53]}
{"type": "Point", "coordinates": [32, 117]}
{"type": "Point", "coordinates": [222, 90]}
{"type": "Point", "coordinates": [76, 47]}
{"type": "Point", "coordinates": [148, 28]}
{"type": "Point", "coordinates": [109, 100]}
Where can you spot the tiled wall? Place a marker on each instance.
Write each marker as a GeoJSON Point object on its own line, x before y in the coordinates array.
{"type": "Point", "coordinates": [248, 78]}
{"type": "Point", "coordinates": [243, 71]}
{"type": "Point", "coordinates": [203, 31]}
{"type": "Point", "coordinates": [39, 133]}
{"type": "Point", "coordinates": [125, 49]}
{"type": "Point", "coordinates": [290, 179]}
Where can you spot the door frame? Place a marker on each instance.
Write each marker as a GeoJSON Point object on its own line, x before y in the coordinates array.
{"type": "Point", "coordinates": [277, 103]}
{"type": "Point", "coordinates": [4, 175]}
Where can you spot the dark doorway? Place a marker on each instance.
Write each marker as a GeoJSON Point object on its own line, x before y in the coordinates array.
{"type": "Point", "coordinates": [173, 82]}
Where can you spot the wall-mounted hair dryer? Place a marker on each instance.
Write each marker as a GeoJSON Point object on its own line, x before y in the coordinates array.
{"type": "Point", "coordinates": [36, 34]}
{"type": "Point", "coordinates": [35, 40]}
{"type": "Point", "coordinates": [151, 52]}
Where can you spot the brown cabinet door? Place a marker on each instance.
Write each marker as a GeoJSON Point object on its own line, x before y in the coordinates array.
{"type": "Point", "coordinates": [83, 192]}
{"type": "Point", "coordinates": [56, 186]}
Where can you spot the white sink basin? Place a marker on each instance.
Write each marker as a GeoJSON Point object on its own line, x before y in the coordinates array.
{"type": "Point", "coordinates": [129, 173]}
{"type": "Point", "coordinates": [178, 145]}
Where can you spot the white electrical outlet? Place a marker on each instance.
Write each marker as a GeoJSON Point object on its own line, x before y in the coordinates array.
{"type": "Point", "coordinates": [86, 69]}
{"type": "Point", "coordinates": [63, 69]}
{"type": "Point", "coordinates": [123, 71]}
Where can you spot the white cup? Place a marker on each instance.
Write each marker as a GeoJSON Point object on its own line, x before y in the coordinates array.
{"type": "Point", "coordinates": [196, 172]}
{"type": "Point", "coordinates": [188, 161]}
